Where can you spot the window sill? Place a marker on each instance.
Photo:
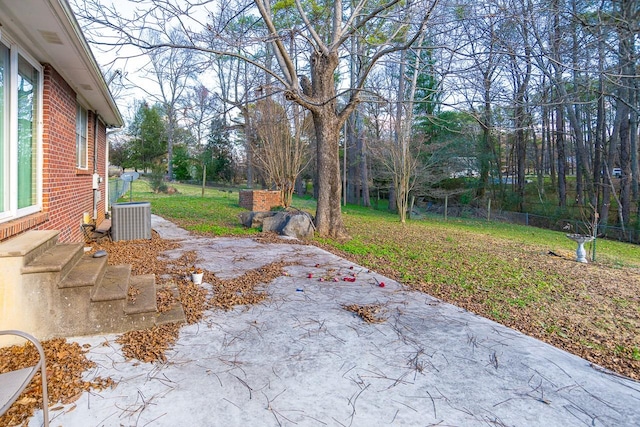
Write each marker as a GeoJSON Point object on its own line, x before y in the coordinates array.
{"type": "Point", "coordinates": [83, 172]}
{"type": "Point", "coordinates": [19, 225]}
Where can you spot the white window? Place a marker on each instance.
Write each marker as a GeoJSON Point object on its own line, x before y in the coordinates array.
{"type": "Point", "coordinates": [20, 146]}
{"type": "Point", "coordinates": [81, 137]}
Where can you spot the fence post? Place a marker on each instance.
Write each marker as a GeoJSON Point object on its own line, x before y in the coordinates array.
{"type": "Point", "coordinates": [204, 176]}
{"type": "Point", "coordinates": [446, 203]}
{"type": "Point", "coordinates": [489, 210]}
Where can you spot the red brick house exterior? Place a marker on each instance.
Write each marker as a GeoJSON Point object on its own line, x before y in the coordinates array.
{"type": "Point", "coordinates": [70, 81]}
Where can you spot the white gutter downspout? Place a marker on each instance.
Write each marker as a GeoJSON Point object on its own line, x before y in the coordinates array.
{"type": "Point", "coordinates": [96, 176]}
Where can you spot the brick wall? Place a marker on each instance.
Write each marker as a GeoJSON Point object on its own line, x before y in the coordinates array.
{"type": "Point", "coordinates": [260, 200]}
{"type": "Point", "coordinates": [66, 191]}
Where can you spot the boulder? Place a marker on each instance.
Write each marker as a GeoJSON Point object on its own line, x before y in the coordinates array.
{"type": "Point", "coordinates": [300, 226]}
{"type": "Point", "coordinates": [245, 218]}
{"type": "Point", "coordinates": [275, 223]}
{"type": "Point", "coordinates": [296, 224]}
{"type": "Point", "coordinates": [254, 219]}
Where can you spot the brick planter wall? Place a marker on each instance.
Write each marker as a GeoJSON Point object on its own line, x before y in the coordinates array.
{"type": "Point", "coordinates": [259, 200]}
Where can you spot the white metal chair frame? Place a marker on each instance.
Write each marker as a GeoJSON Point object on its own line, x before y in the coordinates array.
{"type": "Point", "coordinates": [14, 382]}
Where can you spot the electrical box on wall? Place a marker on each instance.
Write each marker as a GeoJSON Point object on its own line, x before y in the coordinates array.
{"type": "Point", "coordinates": [96, 181]}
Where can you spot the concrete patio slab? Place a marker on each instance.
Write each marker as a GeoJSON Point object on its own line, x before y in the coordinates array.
{"type": "Point", "coordinates": [300, 358]}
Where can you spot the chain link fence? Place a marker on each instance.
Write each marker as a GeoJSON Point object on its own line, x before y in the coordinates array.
{"type": "Point", "coordinates": [626, 234]}
{"type": "Point", "coordinates": [117, 189]}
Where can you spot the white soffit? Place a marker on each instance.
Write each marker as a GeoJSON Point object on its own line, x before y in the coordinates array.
{"type": "Point", "coordinates": [48, 30]}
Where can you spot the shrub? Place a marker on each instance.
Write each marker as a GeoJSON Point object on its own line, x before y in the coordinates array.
{"type": "Point", "coordinates": [156, 180]}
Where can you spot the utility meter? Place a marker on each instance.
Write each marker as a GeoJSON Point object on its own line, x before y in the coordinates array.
{"type": "Point", "coordinates": [97, 179]}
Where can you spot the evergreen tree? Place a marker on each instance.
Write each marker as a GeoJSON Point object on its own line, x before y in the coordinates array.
{"type": "Point", "coordinates": [218, 153]}
{"type": "Point", "coordinates": [148, 144]}
{"type": "Point", "coordinates": [181, 163]}
{"type": "Point", "coordinates": [427, 100]}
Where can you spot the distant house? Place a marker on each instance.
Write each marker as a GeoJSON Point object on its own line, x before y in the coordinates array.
{"type": "Point", "coordinates": [461, 167]}
{"type": "Point", "coordinates": [55, 108]}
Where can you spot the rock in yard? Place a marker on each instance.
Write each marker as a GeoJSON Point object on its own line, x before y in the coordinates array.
{"type": "Point", "coordinates": [275, 223]}
{"type": "Point", "coordinates": [299, 226]}
{"type": "Point", "coordinates": [296, 224]}
{"type": "Point", "coordinates": [254, 219]}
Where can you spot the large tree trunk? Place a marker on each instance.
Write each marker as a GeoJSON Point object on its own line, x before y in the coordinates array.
{"type": "Point", "coordinates": [327, 128]}
{"type": "Point", "coordinates": [328, 212]}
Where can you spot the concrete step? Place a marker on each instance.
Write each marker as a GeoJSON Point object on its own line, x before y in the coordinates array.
{"type": "Point", "coordinates": [59, 259]}
{"type": "Point", "coordinates": [145, 299]}
{"type": "Point", "coordinates": [87, 272]}
{"type": "Point", "coordinates": [29, 245]}
{"type": "Point", "coordinates": [114, 284]}
{"type": "Point", "coordinates": [176, 314]}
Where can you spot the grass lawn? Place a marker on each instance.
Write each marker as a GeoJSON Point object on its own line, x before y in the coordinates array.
{"type": "Point", "coordinates": [519, 276]}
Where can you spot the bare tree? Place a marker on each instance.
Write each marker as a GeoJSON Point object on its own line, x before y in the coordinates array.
{"type": "Point", "coordinates": [280, 154]}
{"type": "Point", "coordinates": [199, 109]}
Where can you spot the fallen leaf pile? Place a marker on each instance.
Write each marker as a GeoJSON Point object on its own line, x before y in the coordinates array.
{"type": "Point", "coordinates": [165, 299]}
{"type": "Point", "coordinates": [368, 313]}
{"type": "Point", "coordinates": [65, 364]}
{"type": "Point", "coordinates": [149, 345]}
{"type": "Point", "coordinates": [243, 290]}
{"type": "Point", "coordinates": [184, 264]}
{"type": "Point", "coordinates": [194, 300]}
{"type": "Point", "coordinates": [143, 255]}
{"type": "Point", "coordinates": [192, 297]}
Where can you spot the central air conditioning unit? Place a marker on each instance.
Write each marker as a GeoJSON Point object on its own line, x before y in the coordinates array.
{"type": "Point", "coordinates": [131, 221]}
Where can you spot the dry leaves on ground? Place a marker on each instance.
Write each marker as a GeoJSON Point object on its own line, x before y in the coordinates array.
{"type": "Point", "coordinates": [193, 297]}
{"type": "Point", "coordinates": [149, 345]}
{"type": "Point", "coordinates": [194, 300]}
{"type": "Point", "coordinates": [368, 313]}
{"type": "Point", "coordinates": [132, 294]}
{"type": "Point", "coordinates": [65, 364]}
{"type": "Point", "coordinates": [143, 255]}
{"type": "Point", "coordinates": [165, 300]}
{"type": "Point", "coordinates": [266, 237]}
{"type": "Point", "coordinates": [244, 289]}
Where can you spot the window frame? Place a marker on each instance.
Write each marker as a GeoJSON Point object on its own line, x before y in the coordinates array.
{"type": "Point", "coordinates": [81, 112]}
{"type": "Point", "coordinates": [9, 141]}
